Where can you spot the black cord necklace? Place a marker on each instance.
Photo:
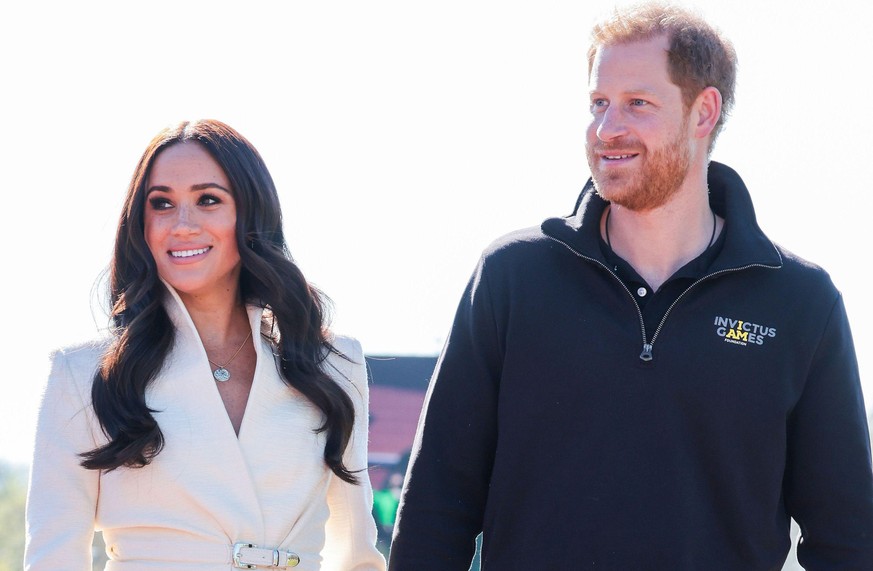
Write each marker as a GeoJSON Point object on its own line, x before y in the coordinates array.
{"type": "Point", "coordinates": [609, 244]}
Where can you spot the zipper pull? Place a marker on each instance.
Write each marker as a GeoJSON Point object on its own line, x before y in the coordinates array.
{"type": "Point", "coordinates": [646, 355]}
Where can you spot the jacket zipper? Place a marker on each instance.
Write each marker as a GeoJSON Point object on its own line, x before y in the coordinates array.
{"type": "Point", "coordinates": [646, 354]}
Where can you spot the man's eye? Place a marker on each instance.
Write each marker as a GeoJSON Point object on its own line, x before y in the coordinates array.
{"type": "Point", "coordinates": [159, 203]}
{"type": "Point", "coordinates": [638, 102]}
{"type": "Point", "coordinates": [599, 103]}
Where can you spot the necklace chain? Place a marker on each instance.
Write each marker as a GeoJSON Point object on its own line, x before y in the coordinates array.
{"type": "Point", "coordinates": [221, 373]}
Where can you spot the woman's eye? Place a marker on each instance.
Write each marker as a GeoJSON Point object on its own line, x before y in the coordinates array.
{"type": "Point", "coordinates": [159, 203]}
{"type": "Point", "coordinates": [208, 200]}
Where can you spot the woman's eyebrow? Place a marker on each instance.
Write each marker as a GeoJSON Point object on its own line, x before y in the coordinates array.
{"type": "Point", "coordinates": [196, 187]}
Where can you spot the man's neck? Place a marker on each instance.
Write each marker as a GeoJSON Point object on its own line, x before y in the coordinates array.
{"type": "Point", "coordinates": [657, 242]}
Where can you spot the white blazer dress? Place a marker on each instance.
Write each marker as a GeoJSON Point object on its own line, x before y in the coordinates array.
{"type": "Point", "coordinates": [208, 489]}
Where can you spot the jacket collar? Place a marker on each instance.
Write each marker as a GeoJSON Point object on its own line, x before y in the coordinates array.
{"type": "Point", "coordinates": [745, 243]}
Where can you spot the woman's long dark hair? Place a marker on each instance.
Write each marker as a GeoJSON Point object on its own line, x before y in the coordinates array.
{"type": "Point", "coordinates": [143, 333]}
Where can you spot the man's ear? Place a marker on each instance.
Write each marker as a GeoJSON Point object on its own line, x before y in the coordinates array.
{"type": "Point", "coordinates": [707, 109]}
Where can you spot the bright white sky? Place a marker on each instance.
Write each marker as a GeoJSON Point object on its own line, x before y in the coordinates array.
{"type": "Point", "coordinates": [403, 136]}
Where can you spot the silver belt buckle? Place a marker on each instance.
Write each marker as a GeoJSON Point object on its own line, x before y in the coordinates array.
{"type": "Point", "coordinates": [250, 556]}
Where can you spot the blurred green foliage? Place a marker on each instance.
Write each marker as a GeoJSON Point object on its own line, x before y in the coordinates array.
{"type": "Point", "coordinates": [13, 493]}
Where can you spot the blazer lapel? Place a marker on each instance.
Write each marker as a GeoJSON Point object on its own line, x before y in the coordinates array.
{"type": "Point", "coordinates": [281, 445]}
{"type": "Point", "coordinates": [202, 451]}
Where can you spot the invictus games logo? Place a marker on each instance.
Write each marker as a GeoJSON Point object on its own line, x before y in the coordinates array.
{"type": "Point", "coordinates": [742, 332]}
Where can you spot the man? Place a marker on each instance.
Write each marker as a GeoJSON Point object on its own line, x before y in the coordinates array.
{"type": "Point", "coordinates": [649, 383]}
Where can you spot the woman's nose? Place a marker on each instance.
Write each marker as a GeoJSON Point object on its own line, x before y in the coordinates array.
{"type": "Point", "coordinates": [186, 221]}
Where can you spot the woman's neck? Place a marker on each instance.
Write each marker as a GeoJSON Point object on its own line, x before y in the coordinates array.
{"type": "Point", "coordinates": [219, 319]}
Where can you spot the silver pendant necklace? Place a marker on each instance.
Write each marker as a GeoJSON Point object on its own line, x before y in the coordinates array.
{"type": "Point", "coordinates": [221, 374]}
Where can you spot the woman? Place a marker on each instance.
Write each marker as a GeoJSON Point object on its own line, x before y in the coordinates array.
{"type": "Point", "coordinates": [221, 425]}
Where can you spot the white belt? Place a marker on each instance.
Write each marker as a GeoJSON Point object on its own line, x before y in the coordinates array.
{"type": "Point", "coordinates": [250, 556]}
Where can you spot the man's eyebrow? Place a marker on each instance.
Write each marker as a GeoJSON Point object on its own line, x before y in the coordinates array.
{"type": "Point", "coordinates": [196, 187]}
{"type": "Point", "coordinates": [630, 92]}
{"type": "Point", "coordinates": [641, 91]}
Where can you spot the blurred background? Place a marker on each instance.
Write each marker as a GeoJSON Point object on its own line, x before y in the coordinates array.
{"type": "Point", "coordinates": [403, 137]}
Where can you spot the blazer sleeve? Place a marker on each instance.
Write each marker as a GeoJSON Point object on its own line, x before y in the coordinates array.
{"type": "Point", "coordinates": [62, 496]}
{"type": "Point", "coordinates": [350, 534]}
{"type": "Point", "coordinates": [829, 479]}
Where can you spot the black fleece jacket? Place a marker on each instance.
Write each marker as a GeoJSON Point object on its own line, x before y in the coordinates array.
{"type": "Point", "coordinates": [547, 429]}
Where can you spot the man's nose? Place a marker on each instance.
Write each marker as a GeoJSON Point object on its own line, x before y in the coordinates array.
{"type": "Point", "coordinates": [612, 124]}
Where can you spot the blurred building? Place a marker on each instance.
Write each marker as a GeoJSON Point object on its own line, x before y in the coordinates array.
{"type": "Point", "coordinates": [397, 388]}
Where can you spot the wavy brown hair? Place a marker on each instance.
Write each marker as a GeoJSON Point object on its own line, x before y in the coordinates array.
{"type": "Point", "coordinates": [143, 333]}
